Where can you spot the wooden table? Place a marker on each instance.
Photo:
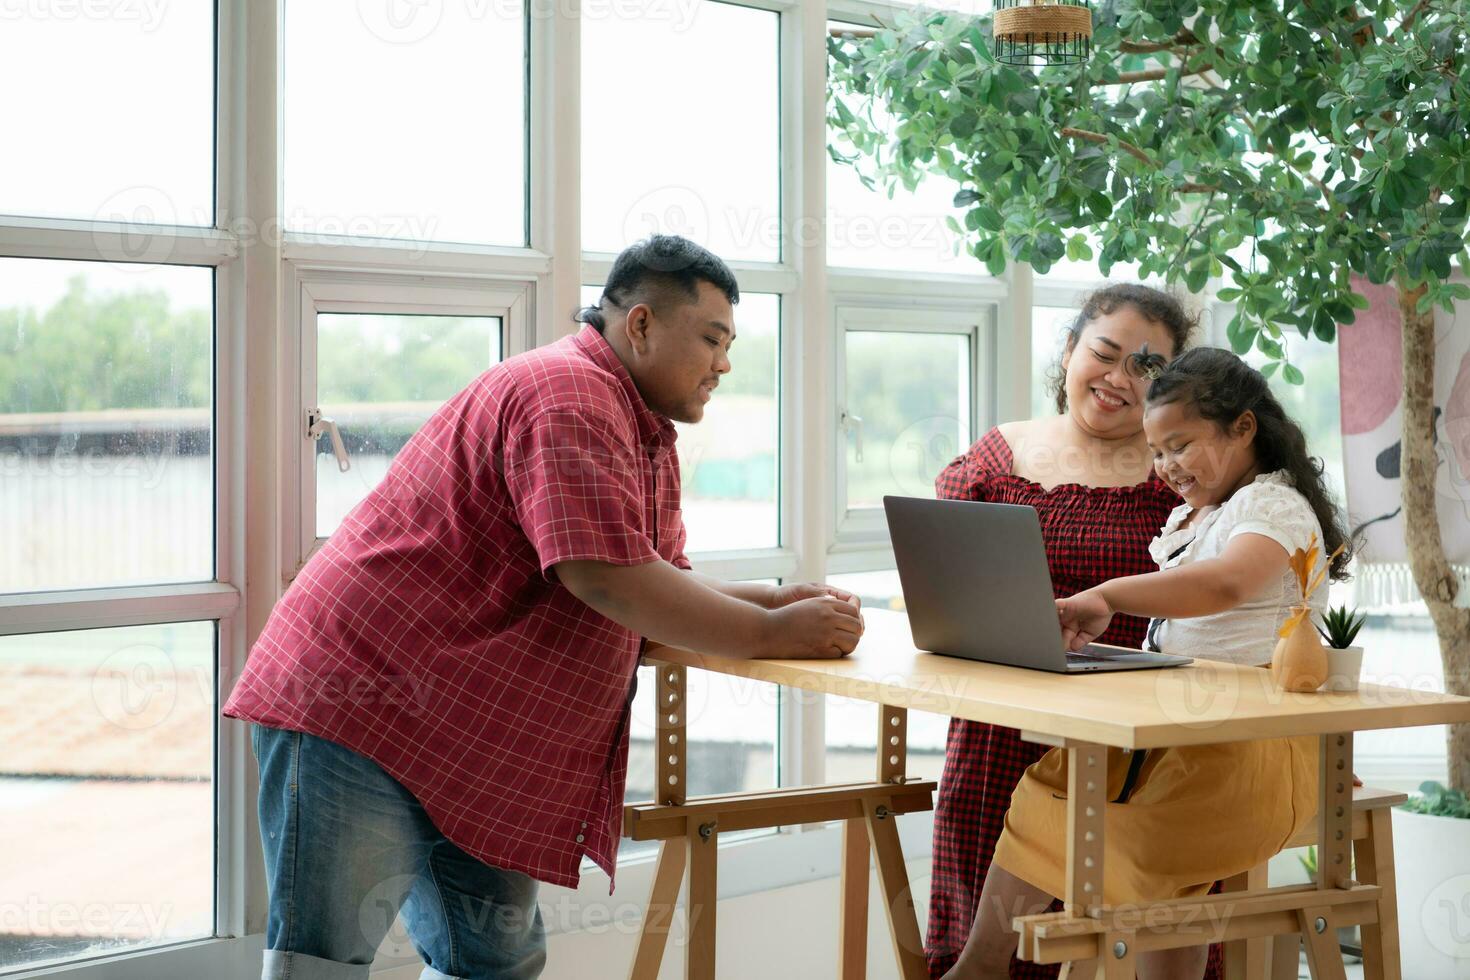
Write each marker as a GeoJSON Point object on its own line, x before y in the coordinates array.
{"type": "Point", "coordinates": [1204, 703]}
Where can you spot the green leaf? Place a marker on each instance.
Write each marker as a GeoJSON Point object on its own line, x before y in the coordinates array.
{"type": "Point", "coordinates": [988, 218]}
{"type": "Point", "coordinates": [962, 127]}
{"type": "Point", "coordinates": [1292, 374]}
{"type": "Point", "coordinates": [1240, 335]}
{"type": "Point", "coordinates": [1099, 203]}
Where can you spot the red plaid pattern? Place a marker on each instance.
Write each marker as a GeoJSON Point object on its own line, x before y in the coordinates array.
{"type": "Point", "coordinates": [428, 635]}
{"type": "Point", "coordinates": [1092, 534]}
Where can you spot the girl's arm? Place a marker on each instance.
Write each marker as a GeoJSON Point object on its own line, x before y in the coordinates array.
{"type": "Point", "coordinates": [1248, 564]}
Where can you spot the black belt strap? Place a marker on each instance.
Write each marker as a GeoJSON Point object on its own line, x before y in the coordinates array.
{"type": "Point", "coordinates": [1135, 766]}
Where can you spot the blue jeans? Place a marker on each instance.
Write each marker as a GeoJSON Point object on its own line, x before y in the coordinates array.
{"type": "Point", "coordinates": [347, 848]}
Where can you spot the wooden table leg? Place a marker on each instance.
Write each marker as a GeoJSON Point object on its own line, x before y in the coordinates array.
{"type": "Point", "coordinates": [662, 899]}
{"type": "Point", "coordinates": [1373, 856]}
{"type": "Point", "coordinates": [1247, 959]}
{"type": "Point", "coordinates": [898, 900]}
{"type": "Point", "coordinates": [1286, 956]}
{"type": "Point", "coordinates": [1087, 796]}
{"type": "Point", "coordinates": [699, 948]}
{"type": "Point", "coordinates": [852, 941]}
{"type": "Point", "coordinates": [1335, 812]}
{"type": "Point", "coordinates": [1324, 958]}
{"type": "Point", "coordinates": [1119, 957]}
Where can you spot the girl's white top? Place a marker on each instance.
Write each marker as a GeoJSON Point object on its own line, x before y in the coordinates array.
{"type": "Point", "coordinates": [1272, 507]}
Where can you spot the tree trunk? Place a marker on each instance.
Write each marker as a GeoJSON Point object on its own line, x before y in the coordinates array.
{"type": "Point", "coordinates": [1431, 568]}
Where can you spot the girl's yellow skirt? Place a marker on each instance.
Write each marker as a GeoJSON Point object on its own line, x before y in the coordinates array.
{"type": "Point", "coordinates": [1194, 815]}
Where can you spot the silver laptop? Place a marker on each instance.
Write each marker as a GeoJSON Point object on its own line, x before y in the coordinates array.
{"type": "Point", "coordinates": [976, 585]}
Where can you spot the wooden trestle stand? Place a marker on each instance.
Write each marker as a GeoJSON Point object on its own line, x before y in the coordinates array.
{"type": "Point", "coordinates": [689, 829]}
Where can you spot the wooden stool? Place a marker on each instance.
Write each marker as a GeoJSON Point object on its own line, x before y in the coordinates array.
{"type": "Point", "coordinates": [1277, 957]}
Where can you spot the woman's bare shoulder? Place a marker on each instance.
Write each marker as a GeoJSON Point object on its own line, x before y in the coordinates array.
{"type": "Point", "coordinates": [1021, 431]}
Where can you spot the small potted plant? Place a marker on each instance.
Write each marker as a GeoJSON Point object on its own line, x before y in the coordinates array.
{"type": "Point", "coordinates": [1344, 661]}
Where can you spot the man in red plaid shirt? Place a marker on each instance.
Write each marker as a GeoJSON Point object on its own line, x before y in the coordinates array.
{"type": "Point", "coordinates": [440, 700]}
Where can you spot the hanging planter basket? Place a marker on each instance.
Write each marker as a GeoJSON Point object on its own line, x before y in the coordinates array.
{"type": "Point", "coordinates": [1049, 32]}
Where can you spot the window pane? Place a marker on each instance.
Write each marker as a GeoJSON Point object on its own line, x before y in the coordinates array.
{"type": "Point", "coordinates": [406, 120]}
{"type": "Point", "coordinates": [710, 169]}
{"type": "Point", "coordinates": [912, 393]}
{"type": "Point", "coordinates": [867, 229]}
{"type": "Point", "coordinates": [107, 783]}
{"type": "Point", "coordinates": [117, 117]}
{"type": "Point", "coordinates": [729, 463]}
{"type": "Point", "coordinates": [106, 448]}
{"type": "Point", "coordinates": [1048, 331]}
{"type": "Point", "coordinates": [431, 357]}
{"type": "Point", "coordinates": [852, 726]}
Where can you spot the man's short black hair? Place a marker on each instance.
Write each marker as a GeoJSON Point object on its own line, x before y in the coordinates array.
{"type": "Point", "coordinates": [660, 266]}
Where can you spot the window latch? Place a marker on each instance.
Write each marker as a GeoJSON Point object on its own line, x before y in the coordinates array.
{"type": "Point", "coordinates": [854, 423]}
{"type": "Point", "coordinates": [318, 425]}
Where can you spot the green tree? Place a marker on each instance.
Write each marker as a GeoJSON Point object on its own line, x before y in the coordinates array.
{"type": "Point", "coordinates": [1288, 145]}
{"type": "Point", "coordinates": [90, 351]}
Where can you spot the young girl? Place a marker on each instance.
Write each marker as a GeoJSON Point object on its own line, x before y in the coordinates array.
{"type": "Point", "coordinates": [1183, 818]}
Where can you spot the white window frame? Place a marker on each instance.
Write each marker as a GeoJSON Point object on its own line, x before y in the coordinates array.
{"type": "Point", "coordinates": [319, 291]}
{"type": "Point", "coordinates": [861, 531]}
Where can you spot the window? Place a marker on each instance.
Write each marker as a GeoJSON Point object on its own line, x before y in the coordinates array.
{"type": "Point", "coordinates": [106, 425]}
{"type": "Point", "coordinates": [730, 461]}
{"type": "Point", "coordinates": [376, 411]}
{"type": "Point", "coordinates": [108, 789]}
{"type": "Point", "coordinates": [709, 167]}
{"type": "Point", "coordinates": [910, 402]}
{"type": "Point", "coordinates": [134, 85]}
{"type": "Point", "coordinates": [1049, 325]}
{"type": "Point", "coordinates": [901, 230]}
{"type": "Point", "coordinates": [355, 412]}
{"type": "Point", "coordinates": [406, 121]}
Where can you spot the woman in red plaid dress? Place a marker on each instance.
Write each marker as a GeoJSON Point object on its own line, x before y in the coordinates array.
{"type": "Point", "coordinates": [1089, 475]}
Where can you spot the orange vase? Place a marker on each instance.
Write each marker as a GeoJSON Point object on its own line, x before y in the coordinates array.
{"type": "Point", "coordinates": [1300, 662]}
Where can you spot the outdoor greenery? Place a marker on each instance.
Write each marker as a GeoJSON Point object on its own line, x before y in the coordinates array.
{"type": "Point", "coordinates": [92, 351]}
{"type": "Point", "coordinates": [1284, 146]}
